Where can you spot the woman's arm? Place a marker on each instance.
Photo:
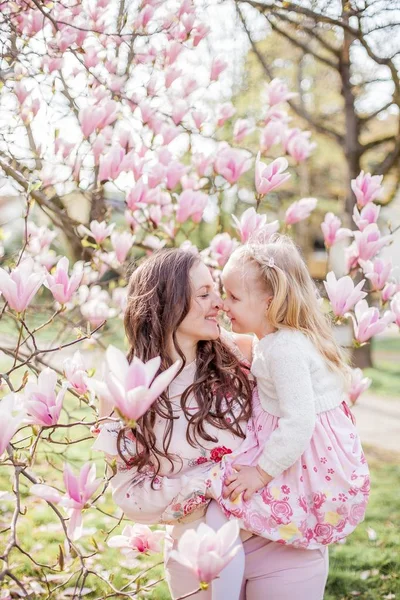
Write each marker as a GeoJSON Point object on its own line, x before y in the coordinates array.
{"type": "Point", "coordinates": [245, 345]}
{"type": "Point", "coordinates": [144, 498]}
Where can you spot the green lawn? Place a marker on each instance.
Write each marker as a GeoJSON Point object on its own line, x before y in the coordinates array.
{"type": "Point", "coordinates": [385, 373]}
{"type": "Point", "coordinates": [362, 567]}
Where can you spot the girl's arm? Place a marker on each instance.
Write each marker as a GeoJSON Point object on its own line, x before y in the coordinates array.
{"type": "Point", "coordinates": [142, 497]}
{"type": "Point", "coordinates": [290, 372]}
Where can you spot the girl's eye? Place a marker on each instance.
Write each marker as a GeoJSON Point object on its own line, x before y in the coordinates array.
{"type": "Point", "coordinates": [204, 295]}
{"type": "Point", "coordinates": [233, 297]}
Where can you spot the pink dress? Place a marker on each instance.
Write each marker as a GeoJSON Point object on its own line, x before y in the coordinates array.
{"type": "Point", "coordinates": [317, 501]}
{"type": "Point", "coordinates": [321, 483]}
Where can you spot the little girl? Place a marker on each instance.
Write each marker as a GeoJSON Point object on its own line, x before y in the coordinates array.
{"type": "Point", "coordinates": [300, 477]}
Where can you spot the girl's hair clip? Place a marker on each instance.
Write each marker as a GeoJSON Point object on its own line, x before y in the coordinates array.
{"type": "Point", "coordinates": [271, 262]}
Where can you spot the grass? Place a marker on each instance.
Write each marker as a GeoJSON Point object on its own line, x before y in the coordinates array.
{"type": "Point", "coordinates": [362, 567]}
{"type": "Point", "coordinates": [366, 568]}
{"type": "Point", "coordinates": [385, 373]}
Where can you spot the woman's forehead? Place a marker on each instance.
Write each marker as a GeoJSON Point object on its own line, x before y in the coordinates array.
{"type": "Point", "coordinates": [200, 275]}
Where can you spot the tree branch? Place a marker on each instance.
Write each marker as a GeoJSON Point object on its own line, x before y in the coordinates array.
{"type": "Point", "coordinates": [296, 108]}
{"type": "Point", "coordinates": [306, 49]}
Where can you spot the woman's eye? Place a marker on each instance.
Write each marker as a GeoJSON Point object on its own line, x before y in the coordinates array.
{"type": "Point", "coordinates": [204, 295]}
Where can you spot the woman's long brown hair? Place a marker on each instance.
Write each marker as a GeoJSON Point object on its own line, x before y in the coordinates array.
{"type": "Point", "coordinates": [159, 298]}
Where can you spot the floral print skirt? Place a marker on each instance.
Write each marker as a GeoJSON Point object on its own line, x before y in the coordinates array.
{"type": "Point", "coordinates": [319, 500]}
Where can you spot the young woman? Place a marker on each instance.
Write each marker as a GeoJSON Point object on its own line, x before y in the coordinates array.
{"type": "Point", "coordinates": [172, 312]}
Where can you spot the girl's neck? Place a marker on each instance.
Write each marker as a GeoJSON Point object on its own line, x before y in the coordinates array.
{"type": "Point", "coordinates": [264, 330]}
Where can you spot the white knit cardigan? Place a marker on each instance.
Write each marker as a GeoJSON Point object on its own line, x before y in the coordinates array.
{"type": "Point", "coordinates": [295, 384]}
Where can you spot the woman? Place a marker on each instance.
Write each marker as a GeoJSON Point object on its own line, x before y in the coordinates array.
{"type": "Point", "coordinates": [172, 312]}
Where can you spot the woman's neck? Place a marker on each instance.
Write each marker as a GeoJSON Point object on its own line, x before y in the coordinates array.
{"type": "Point", "coordinates": [188, 348]}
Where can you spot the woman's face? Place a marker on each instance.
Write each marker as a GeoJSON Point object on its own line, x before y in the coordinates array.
{"type": "Point", "coordinates": [201, 321]}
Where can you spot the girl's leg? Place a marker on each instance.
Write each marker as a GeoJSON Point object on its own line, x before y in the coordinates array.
{"type": "Point", "coordinates": [229, 582]}
{"type": "Point", "coordinates": [277, 572]}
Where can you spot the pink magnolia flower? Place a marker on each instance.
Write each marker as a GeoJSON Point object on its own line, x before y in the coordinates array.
{"type": "Point", "coordinates": [206, 552]}
{"type": "Point", "coordinates": [111, 164]}
{"type": "Point", "coordinates": [221, 247]}
{"type": "Point", "coordinates": [271, 135]}
{"type": "Point", "coordinates": [332, 230]}
{"type": "Point", "coordinates": [367, 321]}
{"type": "Point", "coordinates": [251, 224]}
{"type": "Point", "coordinates": [377, 272]}
{"type": "Point", "coordinates": [156, 175]}
{"type": "Point", "coordinates": [388, 291]}
{"type": "Point", "coordinates": [169, 133]}
{"type": "Point", "coordinates": [202, 164]}
{"type": "Point", "coordinates": [231, 163]}
{"type": "Point", "coordinates": [300, 210]}
{"type": "Point", "coordinates": [269, 177]}
{"type": "Point", "coordinates": [20, 286]}
{"type": "Point", "coordinates": [21, 91]}
{"type": "Point", "coordinates": [241, 129]}
{"type": "Point", "coordinates": [175, 170]}
{"type": "Point", "coordinates": [137, 539]}
{"type": "Point", "coordinates": [225, 111]}
{"type": "Point", "coordinates": [42, 403]}
{"type": "Point", "coordinates": [99, 231]}
{"type": "Point", "coordinates": [75, 372]}
{"type": "Point", "coordinates": [369, 241]}
{"type": "Point", "coordinates": [39, 238]}
{"type": "Point", "coordinates": [179, 110]}
{"type": "Point", "coordinates": [191, 204]}
{"type": "Point", "coordinates": [137, 196]}
{"type": "Point", "coordinates": [79, 490]}
{"type": "Point", "coordinates": [91, 57]}
{"type": "Point", "coordinates": [217, 67]}
{"type": "Point", "coordinates": [60, 284]}
{"type": "Point", "coordinates": [369, 214]}
{"type": "Point", "coordinates": [11, 416]}
{"type": "Point", "coordinates": [199, 32]}
{"type": "Point", "coordinates": [395, 308]}
{"type": "Point", "coordinates": [199, 117]}
{"type": "Point", "coordinates": [299, 146]}
{"type": "Point", "coordinates": [134, 386]}
{"type": "Point", "coordinates": [122, 243]}
{"type": "Point", "coordinates": [342, 293]}
{"type": "Point", "coordinates": [277, 91]}
{"type": "Point", "coordinates": [366, 187]}
{"type": "Point", "coordinates": [171, 75]}
{"type": "Point", "coordinates": [358, 384]}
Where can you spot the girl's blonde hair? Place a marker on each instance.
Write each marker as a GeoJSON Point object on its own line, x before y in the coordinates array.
{"type": "Point", "coordinates": [295, 299]}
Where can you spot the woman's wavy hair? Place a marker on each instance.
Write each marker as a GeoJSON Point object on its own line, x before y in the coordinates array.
{"type": "Point", "coordinates": [295, 299]}
{"type": "Point", "coordinates": [159, 298]}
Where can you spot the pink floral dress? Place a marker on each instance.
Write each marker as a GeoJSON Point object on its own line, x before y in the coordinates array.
{"type": "Point", "coordinates": [317, 501]}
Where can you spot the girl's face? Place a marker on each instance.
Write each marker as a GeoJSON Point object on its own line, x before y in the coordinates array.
{"type": "Point", "coordinates": [246, 303]}
{"type": "Point", "coordinates": [201, 321]}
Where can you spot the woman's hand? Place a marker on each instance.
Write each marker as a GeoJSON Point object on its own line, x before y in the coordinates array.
{"type": "Point", "coordinates": [245, 479]}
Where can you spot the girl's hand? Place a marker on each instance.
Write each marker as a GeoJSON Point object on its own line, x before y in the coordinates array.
{"type": "Point", "coordinates": [247, 480]}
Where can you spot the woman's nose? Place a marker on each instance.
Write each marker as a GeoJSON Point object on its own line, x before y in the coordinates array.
{"type": "Point", "coordinates": [217, 301]}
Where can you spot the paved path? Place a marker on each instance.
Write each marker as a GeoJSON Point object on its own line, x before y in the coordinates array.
{"type": "Point", "coordinates": [378, 421]}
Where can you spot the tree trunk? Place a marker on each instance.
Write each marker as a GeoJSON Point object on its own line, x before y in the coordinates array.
{"type": "Point", "coordinates": [353, 150]}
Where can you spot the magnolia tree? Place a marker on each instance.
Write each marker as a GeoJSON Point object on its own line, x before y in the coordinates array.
{"type": "Point", "coordinates": [100, 102]}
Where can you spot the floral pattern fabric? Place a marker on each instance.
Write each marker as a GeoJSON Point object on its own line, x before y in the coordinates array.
{"type": "Point", "coordinates": [319, 500]}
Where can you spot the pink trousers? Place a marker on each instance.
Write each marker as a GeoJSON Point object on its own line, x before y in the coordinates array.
{"type": "Point", "coordinates": [272, 572]}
